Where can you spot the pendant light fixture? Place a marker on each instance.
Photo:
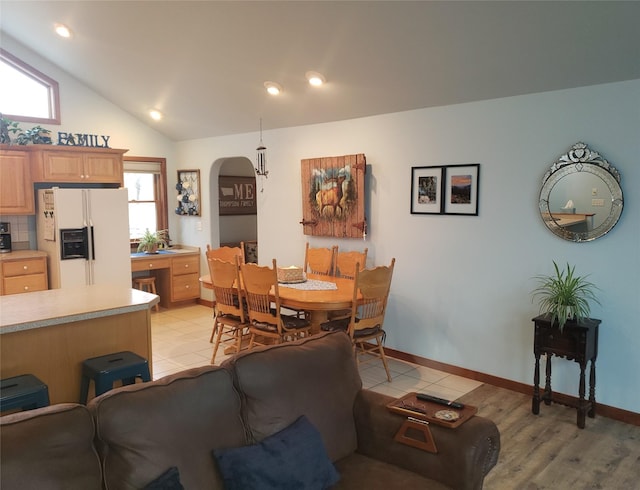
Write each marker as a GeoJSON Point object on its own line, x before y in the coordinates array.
{"type": "Point", "coordinates": [261, 157]}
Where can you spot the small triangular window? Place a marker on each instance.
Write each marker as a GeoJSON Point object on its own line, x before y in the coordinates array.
{"type": "Point", "coordinates": [26, 94]}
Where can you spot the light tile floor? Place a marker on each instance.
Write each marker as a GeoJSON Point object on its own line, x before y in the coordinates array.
{"type": "Point", "coordinates": [180, 338]}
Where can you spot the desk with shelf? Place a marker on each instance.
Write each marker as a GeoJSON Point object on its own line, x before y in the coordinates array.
{"type": "Point", "coordinates": [577, 342]}
{"type": "Point", "coordinates": [177, 272]}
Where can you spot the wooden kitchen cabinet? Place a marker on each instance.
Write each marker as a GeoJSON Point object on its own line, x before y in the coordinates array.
{"type": "Point", "coordinates": [185, 275]}
{"type": "Point", "coordinates": [77, 164]}
{"type": "Point", "coordinates": [16, 185]}
{"type": "Point", "coordinates": [23, 272]}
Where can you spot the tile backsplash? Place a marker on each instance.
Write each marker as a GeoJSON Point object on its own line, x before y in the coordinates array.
{"type": "Point", "coordinates": [23, 231]}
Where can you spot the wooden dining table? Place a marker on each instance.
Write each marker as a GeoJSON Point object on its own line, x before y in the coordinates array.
{"type": "Point", "coordinates": [317, 302]}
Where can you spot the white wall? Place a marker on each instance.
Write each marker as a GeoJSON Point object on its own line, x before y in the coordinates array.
{"type": "Point", "coordinates": [461, 289]}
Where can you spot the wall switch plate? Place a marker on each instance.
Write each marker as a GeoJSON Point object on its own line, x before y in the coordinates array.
{"type": "Point", "coordinates": [594, 191]}
{"type": "Point", "coordinates": [199, 226]}
{"type": "Point", "coordinates": [597, 202]}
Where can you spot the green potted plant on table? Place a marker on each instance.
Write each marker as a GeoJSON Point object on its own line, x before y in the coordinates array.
{"type": "Point", "coordinates": [564, 295]}
{"type": "Point", "coordinates": [150, 242]}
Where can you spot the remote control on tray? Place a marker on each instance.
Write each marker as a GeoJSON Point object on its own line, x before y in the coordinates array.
{"type": "Point", "coordinates": [441, 401]}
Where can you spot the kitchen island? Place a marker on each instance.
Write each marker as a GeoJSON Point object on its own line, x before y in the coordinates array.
{"type": "Point", "coordinates": [49, 333]}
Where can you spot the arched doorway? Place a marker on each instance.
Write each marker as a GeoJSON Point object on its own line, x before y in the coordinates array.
{"type": "Point", "coordinates": [237, 227]}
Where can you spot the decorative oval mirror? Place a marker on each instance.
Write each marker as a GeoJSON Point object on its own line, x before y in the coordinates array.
{"type": "Point", "coordinates": [581, 197]}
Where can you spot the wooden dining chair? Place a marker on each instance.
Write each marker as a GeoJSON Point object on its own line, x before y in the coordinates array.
{"type": "Point", "coordinates": [226, 253]}
{"type": "Point", "coordinates": [364, 325]}
{"type": "Point", "coordinates": [266, 322]}
{"type": "Point", "coordinates": [230, 319]}
{"type": "Point", "coordinates": [345, 265]}
{"type": "Point", "coordinates": [319, 260]}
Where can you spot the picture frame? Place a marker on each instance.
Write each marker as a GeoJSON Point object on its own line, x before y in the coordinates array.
{"type": "Point", "coordinates": [461, 188]}
{"type": "Point", "coordinates": [188, 189]}
{"type": "Point", "coordinates": [427, 190]}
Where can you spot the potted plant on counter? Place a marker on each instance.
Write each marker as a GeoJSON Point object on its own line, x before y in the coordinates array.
{"type": "Point", "coordinates": [564, 296]}
{"type": "Point", "coordinates": [150, 242]}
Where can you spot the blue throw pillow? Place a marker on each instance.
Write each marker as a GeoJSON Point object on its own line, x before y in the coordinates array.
{"type": "Point", "coordinates": [169, 480]}
{"type": "Point", "coordinates": [293, 459]}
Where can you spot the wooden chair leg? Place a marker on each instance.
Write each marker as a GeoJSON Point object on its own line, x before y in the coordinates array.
{"type": "Point", "coordinates": [217, 344]}
{"type": "Point", "coordinates": [384, 359]}
{"type": "Point", "coordinates": [238, 334]}
{"type": "Point", "coordinates": [214, 330]}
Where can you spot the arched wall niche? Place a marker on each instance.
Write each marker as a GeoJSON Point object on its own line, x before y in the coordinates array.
{"type": "Point", "coordinates": [230, 229]}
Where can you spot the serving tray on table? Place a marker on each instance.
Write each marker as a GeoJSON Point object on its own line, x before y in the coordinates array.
{"type": "Point", "coordinates": [432, 412]}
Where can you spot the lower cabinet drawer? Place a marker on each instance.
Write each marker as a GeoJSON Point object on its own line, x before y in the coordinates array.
{"type": "Point", "coordinates": [185, 286]}
{"type": "Point", "coordinates": [185, 265]}
{"type": "Point", "coordinates": [25, 284]}
{"type": "Point", "coordinates": [23, 267]}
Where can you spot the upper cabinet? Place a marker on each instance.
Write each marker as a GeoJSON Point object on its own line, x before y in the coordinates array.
{"type": "Point", "coordinates": [21, 166]}
{"type": "Point", "coordinates": [77, 164]}
{"type": "Point", "coordinates": [16, 185]}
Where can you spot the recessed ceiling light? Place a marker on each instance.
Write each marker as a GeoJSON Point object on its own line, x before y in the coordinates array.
{"type": "Point", "coordinates": [316, 79]}
{"type": "Point", "coordinates": [273, 88]}
{"type": "Point", "coordinates": [62, 31]}
{"type": "Point", "coordinates": [155, 114]}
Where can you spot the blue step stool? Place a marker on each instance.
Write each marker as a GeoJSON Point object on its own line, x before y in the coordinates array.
{"type": "Point", "coordinates": [24, 392]}
{"type": "Point", "coordinates": [105, 370]}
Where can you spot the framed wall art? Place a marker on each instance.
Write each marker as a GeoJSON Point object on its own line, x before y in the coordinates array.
{"type": "Point", "coordinates": [426, 190]}
{"type": "Point", "coordinates": [461, 189]}
{"type": "Point", "coordinates": [333, 196]}
{"type": "Point", "coordinates": [188, 197]}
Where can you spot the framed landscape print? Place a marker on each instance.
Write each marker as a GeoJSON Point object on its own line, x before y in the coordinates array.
{"type": "Point", "coordinates": [426, 190]}
{"type": "Point", "coordinates": [461, 189]}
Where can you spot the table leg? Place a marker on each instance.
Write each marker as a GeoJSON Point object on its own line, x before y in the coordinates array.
{"type": "Point", "coordinates": [581, 402]}
{"type": "Point", "coordinates": [547, 385]}
{"type": "Point", "coordinates": [316, 318]}
{"type": "Point", "coordinates": [535, 403]}
{"type": "Point", "coordinates": [592, 389]}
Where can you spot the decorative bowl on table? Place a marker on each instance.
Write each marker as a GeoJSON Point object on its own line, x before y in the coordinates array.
{"type": "Point", "coordinates": [290, 275]}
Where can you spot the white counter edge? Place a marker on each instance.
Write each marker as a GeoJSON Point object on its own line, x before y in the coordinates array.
{"type": "Point", "coordinates": [40, 309]}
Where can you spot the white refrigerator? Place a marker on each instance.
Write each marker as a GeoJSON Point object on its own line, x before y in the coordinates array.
{"type": "Point", "coordinates": [85, 233]}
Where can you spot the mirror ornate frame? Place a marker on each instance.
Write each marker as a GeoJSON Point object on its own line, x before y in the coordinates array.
{"type": "Point", "coordinates": [590, 187]}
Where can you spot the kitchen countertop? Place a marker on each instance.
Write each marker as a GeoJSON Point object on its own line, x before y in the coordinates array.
{"type": "Point", "coordinates": [168, 252]}
{"type": "Point", "coordinates": [57, 306]}
{"type": "Point", "coordinates": [22, 254]}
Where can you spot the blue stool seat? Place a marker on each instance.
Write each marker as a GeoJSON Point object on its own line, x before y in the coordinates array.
{"type": "Point", "coordinates": [24, 392]}
{"type": "Point", "coordinates": [105, 370]}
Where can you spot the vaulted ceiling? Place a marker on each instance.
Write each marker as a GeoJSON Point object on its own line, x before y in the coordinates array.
{"type": "Point", "coordinates": [203, 63]}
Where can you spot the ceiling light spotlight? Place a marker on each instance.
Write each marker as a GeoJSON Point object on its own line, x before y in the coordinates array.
{"type": "Point", "coordinates": [316, 79]}
{"type": "Point", "coordinates": [273, 88]}
{"type": "Point", "coordinates": [155, 114]}
{"type": "Point", "coordinates": [62, 31]}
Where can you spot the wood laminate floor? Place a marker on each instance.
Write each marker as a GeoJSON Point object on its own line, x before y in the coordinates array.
{"type": "Point", "coordinates": [548, 451]}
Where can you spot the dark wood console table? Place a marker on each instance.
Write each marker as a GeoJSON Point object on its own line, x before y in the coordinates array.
{"type": "Point", "coordinates": [577, 342]}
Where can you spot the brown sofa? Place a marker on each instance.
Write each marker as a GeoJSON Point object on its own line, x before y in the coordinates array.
{"type": "Point", "coordinates": [130, 436]}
